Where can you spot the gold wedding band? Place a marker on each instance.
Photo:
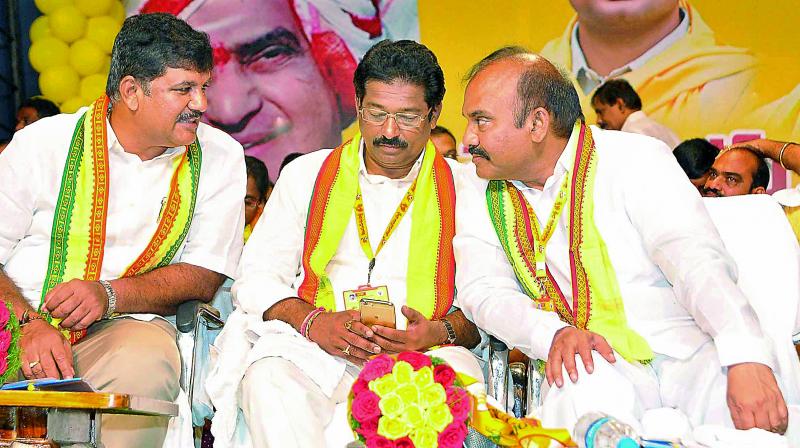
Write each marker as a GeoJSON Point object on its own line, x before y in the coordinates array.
{"type": "Point", "coordinates": [33, 364]}
{"type": "Point", "coordinates": [348, 325]}
{"type": "Point", "coordinates": [346, 350]}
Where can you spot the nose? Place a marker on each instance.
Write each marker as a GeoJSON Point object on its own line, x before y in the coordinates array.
{"type": "Point", "coordinates": [470, 136]}
{"type": "Point", "coordinates": [714, 183]}
{"type": "Point", "coordinates": [233, 98]}
{"type": "Point", "coordinates": [199, 101]}
{"type": "Point", "coordinates": [389, 128]}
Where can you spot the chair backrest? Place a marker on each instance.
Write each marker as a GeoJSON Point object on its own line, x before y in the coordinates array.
{"type": "Point", "coordinates": [758, 236]}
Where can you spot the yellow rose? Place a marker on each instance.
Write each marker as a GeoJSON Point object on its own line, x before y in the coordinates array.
{"type": "Point", "coordinates": [391, 428]}
{"type": "Point", "coordinates": [438, 417]}
{"type": "Point", "coordinates": [425, 438]}
{"type": "Point", "coordinates": [414, 416]}
{"type": "Point", "coordinates": [383, 386]}
{"type": "Point", "coordinates": [408, 393]}
{"type": "Point", "coordinates": [403, 372]}
{"type": "Point", "coordinates": [424, 377]}
{"type": "Point", "coordinates": [391, 405]}
{"type": "Point", "coordinates": [432, 395]}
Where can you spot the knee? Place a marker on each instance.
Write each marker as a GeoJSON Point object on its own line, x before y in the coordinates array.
{"type": "Point", "coordinates": [268, 375]}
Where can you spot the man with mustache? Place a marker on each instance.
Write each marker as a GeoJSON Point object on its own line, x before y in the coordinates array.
{"type": "Point", "coordinates": [374, 216]}
{"type": "Point", "coordinates": [115, 215]}
{"type": "Point", "coordinates": [579, 253]}
{"type": "Point", "coordinates": [735, 172]}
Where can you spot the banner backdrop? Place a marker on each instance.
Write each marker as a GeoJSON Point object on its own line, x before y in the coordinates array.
{"type": "Point", "coordinates": [283, 68]}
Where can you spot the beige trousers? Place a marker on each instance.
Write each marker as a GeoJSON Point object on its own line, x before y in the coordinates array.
{"type": "Point", "coordinates": [136, 357]}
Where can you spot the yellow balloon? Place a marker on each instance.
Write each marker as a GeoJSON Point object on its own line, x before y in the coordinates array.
{"type": "Point", "coordinates": [48, 6]}
{"type": "Point", "coordinates": [40, 28]}
{"type": "Point", "coordinates": [94, 8]}
{"type": "Point", "coordinates": [67, 23]}
{"type": "Point", "coordinates": [106, 65]}
{"type": "Point", "coordinates": [73, 104]}
{"type": "Point", "coordinates": [86, 57]}
{"type": "Point", "coordinates": [102, 31]}
{"type": "Point", "coordinates": [92, 87]}
{"type": "Point", "coordinates": [117, 11]}
{"type": "Point", "coordinates": [48, 52]}
{"type": "Point", "coordinates": [59, 83]}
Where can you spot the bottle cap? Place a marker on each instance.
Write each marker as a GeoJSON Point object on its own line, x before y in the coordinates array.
{"type": "Point", "coordinates": [627, 442]}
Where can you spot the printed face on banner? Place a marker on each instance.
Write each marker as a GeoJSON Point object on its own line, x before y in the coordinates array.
{"type": "Point", "coordinates": [267, 91]}
{"type": "Point", "coordinates": [612, 14]}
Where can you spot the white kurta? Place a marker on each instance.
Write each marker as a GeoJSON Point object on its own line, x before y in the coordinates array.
{"type": "Point", "coordinates": [270, 271]}
{"type": "Point", "coordinates": [676, 279]}
{"type": "Point", "coordinates": [639, 123]}
{"type": "Point", "coordinates": [31, 169]}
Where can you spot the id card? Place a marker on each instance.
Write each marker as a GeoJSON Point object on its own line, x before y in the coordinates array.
{"type": "Point", "coordinates": [352, 298]}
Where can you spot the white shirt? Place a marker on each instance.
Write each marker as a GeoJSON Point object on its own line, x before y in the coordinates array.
{"type": "Point", "coordinates": [677, 281]}
{"type": "Point", "coordinates": [639, 123]}
{"type": "Point", "coordinates": [270, 269]}
{"type": "Point", "coordinates": [589, 79]}
{"type": "Point", "coordinates": [30, 177]}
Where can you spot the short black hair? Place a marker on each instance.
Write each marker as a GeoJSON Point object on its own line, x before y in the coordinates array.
{"type": "Point", "coordinates": [541, 84]}
{"type": "Point", "coordinates": [695, 156]}
{"type": "Point", "coordinates": [613, 89]}
{"type": "Point", "coordinates": [42, 106]}
{"type": "Point", "coordinates": [761, 174]}
{"type": "Point", "coordinates": [442, 130]}
{"type": "Point", "coordinates": [148, 44]}
{"type": "Point", "coordinates": [402, 60]}
{"type": "Point", "coordinates": [259, 172]}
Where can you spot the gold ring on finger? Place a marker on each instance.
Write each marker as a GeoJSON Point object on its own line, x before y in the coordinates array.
{"type": "Point", "coordinates": [348, 325]}
{"type": "Point", "coordinates": [33, 364]}
{"type": "Point", "coordinates": [346, 350]}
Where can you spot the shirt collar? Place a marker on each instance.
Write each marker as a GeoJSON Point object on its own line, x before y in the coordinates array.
{"type": "Point", "coordinates": [634, 117]}
{"type": "Point", "coordinates": [115, 146]}
{"type": "Point", "coordinates": [588, 79]}
{"type": "Point", "coordinates": [378, 179]}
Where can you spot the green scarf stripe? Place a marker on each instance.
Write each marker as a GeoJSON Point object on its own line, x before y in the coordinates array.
{"type": "Point", "coordinates": [195, 163]}
{"type": "Point", "coordinates": [64, 206]}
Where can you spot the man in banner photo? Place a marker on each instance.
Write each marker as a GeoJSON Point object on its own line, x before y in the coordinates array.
{"type": "Point", "coordinates": [115, 215]}
{"type": "Point", "coordinates": [574, 249]}
{"type": "Point", "coordinates": [374, 216]}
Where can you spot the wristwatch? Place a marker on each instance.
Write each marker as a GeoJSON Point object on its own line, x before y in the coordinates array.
{"type": "Point", "coordinates": [451, 333]}
{"type": "Point", "coordinates": [29, 316]}
{"type": "Point", "coordinates": [112, 299]}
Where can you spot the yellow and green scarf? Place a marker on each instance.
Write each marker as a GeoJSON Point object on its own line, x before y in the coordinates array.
{"type": "Point", "coordinates": [597, 303]}
{"type": "Point", "coordinates": [430, 277]}
{"type": "Point", "coordinates": [79, 224]}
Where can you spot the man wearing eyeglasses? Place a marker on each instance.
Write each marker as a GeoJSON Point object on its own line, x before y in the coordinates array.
{"type": "Point", "coordinates": [372, 218]}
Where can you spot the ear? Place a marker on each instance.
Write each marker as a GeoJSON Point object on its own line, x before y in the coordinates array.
{"type": "Point", "coordinates": [538, 123]}
{"type": "Point", "coordinates": [758, 190]}
{"type": "Point", "coordinates": [620, 104]}
{"type": "Point", "coordinates": [130, 92]}
{"type": "Point", "coordinates": [435, 114]}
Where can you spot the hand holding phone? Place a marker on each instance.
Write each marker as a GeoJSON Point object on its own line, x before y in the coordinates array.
{"type": "Point", "coordinates": [377, 312]}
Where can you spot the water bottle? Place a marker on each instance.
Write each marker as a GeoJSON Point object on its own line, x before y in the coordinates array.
{"type": "Point", "coordinates": [597, 430]}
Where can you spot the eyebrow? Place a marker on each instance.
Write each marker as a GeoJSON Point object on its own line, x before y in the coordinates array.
{"type": "Point", "coordinates": [730, 173]}
{"type": "Point", "coordinates": [476, 113]}
{"type": "Point", "coordinates": [375, 105]}
{"type": "Point", "coordinates": [278, 36]}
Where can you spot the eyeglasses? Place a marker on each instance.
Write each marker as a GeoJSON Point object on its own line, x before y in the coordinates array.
{"type": "Point", "coordinates": [404, 120]}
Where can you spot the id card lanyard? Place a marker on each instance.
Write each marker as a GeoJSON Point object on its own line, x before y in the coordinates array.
{"type": "Point", "coordinates": [363, 233]}
{"type": "Point", "coordinates": [542, 237]}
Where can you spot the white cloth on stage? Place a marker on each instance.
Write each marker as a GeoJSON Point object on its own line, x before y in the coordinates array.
{"type": "Point", "coordinates": [639, 123]}
{"type": "Point", "coordinates": [270, 271]}
{"type": "Point", "coordinates": [668, 258]}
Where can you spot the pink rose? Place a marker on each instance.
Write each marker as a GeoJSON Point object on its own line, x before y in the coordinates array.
{"type": "Point", "coordinates": [359, 386]}
{"type": "Point", "coordinates": [3, 364]}
{"type": "Point", "coordinates": [4, 315]}
{"type": "Point", "coordinates": [405, 442]}
{"type": "Point", "coordinates": [365, 406]}
{"type": "Point", "coordinates": [453, 436]}
{"type": "Point", "coordinates": [416, 359]}
{"type": "Point", "coordinates": [444, 375]}
{"type": "Point", "coordinates": [368, 428]}
{"type": "Point", "coordinates": [379, 442]}
{"type": "Point", "coordinates": [459, 403]}
{"type": "Point", "coordinates": [376, 368]}
{"type": "Point", "coordinates": [5, 342]}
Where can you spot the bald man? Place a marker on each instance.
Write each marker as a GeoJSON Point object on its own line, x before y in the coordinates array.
{"type": "Point", "coordinates": [567, 251]}
{"type": "Point", "coordinates": [735, 172]}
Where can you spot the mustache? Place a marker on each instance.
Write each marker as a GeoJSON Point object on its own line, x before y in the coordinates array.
{"type": "Point", "coordinates": [712, 192]}
{"type": "Point", "coordinates": [394, 141]}
{"type": "Point", "coordinates": [476, 150]}
{"type": "Point", "coordinates": [189, 116]}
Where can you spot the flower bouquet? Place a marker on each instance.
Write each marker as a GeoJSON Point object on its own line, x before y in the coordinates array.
{"type": "Point", "coordinates": [409, 400]}
{"type": "Point", "coordinates": [9, 343]}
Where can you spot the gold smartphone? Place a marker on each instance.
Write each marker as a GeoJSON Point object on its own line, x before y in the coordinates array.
{"type": "Point", "coordinates": [377, 312]}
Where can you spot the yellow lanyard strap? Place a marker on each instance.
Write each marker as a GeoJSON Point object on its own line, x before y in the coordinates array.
{"type": "Point", "coordinates": [540, 239]}
{"type": "Point", "coordinates": [361, 224]}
